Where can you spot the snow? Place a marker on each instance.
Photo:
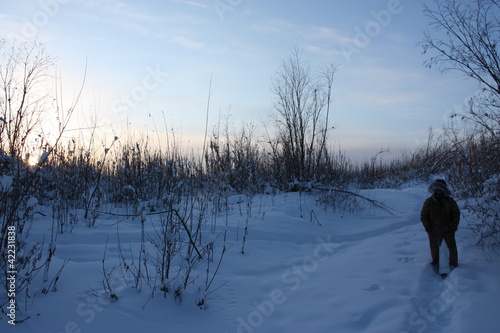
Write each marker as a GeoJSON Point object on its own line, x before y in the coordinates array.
{"type": "Point", "coordinates": [32, 202]}
{"type": "Point", "coordinates": [352, 272]}
{"type": "Point", "coordinates": [5, 183]}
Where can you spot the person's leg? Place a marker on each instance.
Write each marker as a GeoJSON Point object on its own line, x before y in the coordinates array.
{"type": "Point", "coordinates": [449, 237]}
{"type": "Point", "coordinates": [435, 239]}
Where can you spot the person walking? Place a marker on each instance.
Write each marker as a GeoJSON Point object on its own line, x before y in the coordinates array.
{"type": "Point", "coordinates": [440, 217]}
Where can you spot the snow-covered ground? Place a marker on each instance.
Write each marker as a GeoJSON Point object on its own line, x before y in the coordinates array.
{"type": "Point", "coordinates": [352, 272]}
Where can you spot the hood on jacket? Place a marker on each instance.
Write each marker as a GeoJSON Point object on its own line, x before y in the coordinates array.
{"type": "Point", "coordinates": [439, 184]}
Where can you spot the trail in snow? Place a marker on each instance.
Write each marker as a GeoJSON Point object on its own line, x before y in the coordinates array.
{"type": "Point", "coordinates": [434, 305]}
{"type": "Point", "coordinates": [361, 285]}
{"type": "Point", "coordinates": [362, 272]}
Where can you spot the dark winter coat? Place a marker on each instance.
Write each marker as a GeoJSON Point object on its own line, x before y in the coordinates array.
{"type": "Point", "coordinates": [440, 215]}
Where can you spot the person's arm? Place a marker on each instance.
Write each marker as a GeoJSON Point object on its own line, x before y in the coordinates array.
{"type": "Point", "coordinates": [425, 216]}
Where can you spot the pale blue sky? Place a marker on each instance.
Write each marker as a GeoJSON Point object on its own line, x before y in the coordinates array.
{"type": "Point", "coordinates": [149, 57]}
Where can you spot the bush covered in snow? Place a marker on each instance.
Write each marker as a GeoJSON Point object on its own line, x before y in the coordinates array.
{"type": "Point", "coordinates": [485, 210]}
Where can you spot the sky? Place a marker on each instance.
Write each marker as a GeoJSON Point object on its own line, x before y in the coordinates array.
{"type": "Point", "coordinates": [151, 64]}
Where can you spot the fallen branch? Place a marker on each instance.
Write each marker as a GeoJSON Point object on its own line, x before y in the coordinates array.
{"type": "Point", "coordinates": [377, 204]}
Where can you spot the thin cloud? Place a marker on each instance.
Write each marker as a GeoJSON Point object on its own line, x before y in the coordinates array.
{"type": "Point", "coordinates": [188, 43]}
{"type": "Point", "coordinates": [328, 35]}
{"type": "Point", "coordinates": [191, 3]}
{"type": "Point", "coordinates": [127, 11]}
{"type": "Point", "coordinates": [274, 25]}
{"type": "Point", "coordinates": [322, 51]}
{"type": "Point", "coordinates": [127, 16]}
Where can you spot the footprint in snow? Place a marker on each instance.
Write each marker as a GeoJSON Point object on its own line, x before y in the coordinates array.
{"type": "Point", "coordinates": [406, 259]}
{"type": "Point", "coordinates": [374, 287]}
{"type": "Point", "coordinates": [402, 244]}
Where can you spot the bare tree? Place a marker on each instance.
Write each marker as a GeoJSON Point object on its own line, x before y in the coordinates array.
{"type": "Point", "coordinates": [25, 94]}
{"type": "Point", "coordinates": [303, 106]}
{"type": "Point", "coordinates": [465, 36]}
{"type": "Point", "coordinates": [23, 71]}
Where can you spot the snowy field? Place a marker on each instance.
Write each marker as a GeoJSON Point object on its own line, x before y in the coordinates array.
{"type": "Point", "coordinates": [305, 269]}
